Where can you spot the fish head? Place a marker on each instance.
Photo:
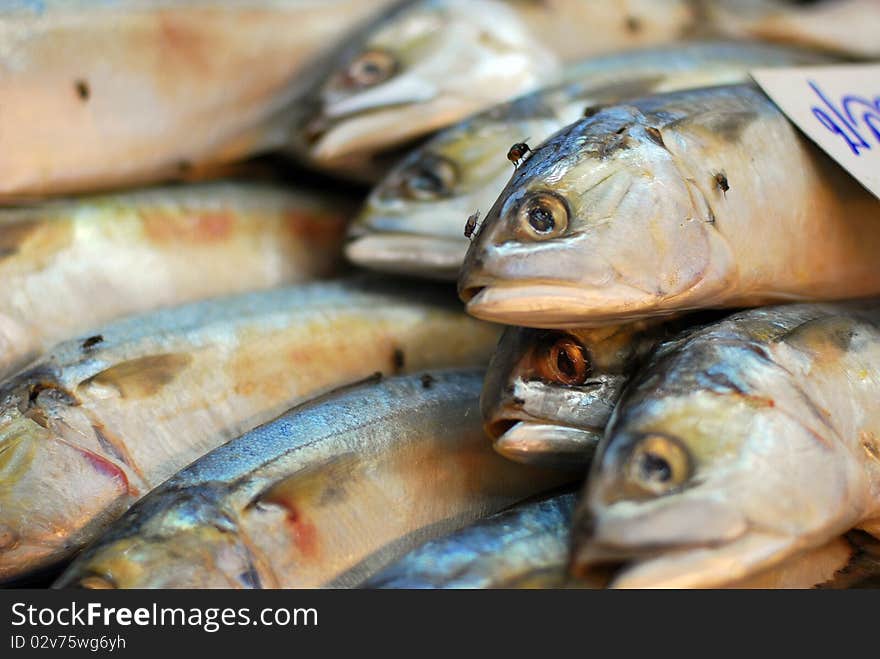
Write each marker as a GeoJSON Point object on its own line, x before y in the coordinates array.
{"type": "Point", "coordinates": [56, 481]}
{"type": "Point", "coordinates": [548, 394]}
{"type": "Point", "coordinates": [413, 221]}
{"type": "Point", "coordinates": [424, 67]}
{"type": "Point", "coordinates": [191, 539]}
{"type": "Point", "coordinates": [706, 477]}
{"type": "Point", "coordinates": [598, 226]}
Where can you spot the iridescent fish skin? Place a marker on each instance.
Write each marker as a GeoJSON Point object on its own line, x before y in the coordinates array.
{"type": "Point", "coordinates": [620, 217]}
{"type": "Point", "coordinates": [142, 250]}
{"type": "Point", "coordinates": [738, 446]}
{"type": "Point", "coordinates": [528, 538]}
{"type": "Point", "coordinates": [101, 94]}
{"type": "Point", "coordinates": [548, 394]}
{"type": "Point", "coordinates": [429, 63]}
{"type": "Point", "coordinates": [101, 420]}
{"type": "Point", "coordinates": [412, 221]}
{"type": "Point", "coordinates": [527, 546]}
{"type": "Point", "coordinates": [324, 495]}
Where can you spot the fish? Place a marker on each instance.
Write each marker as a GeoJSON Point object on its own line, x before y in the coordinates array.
{"type": "Point", "coordinates": [549, 394]}
{"type": "Point", "coordinates": [101, 420]}
{"type": "Point", "coordinates": [737, 446]}
{"type": "Point", "coordinates": [324, 495]}
{"type": "Point", "coordinates": [623, 216]}
{"type": "Point", "coordinates": [70, 265]}
{"type": "Point", "coordinates": [510, 546]}
{"type": "Point", "coordinates": [426, 64]}
{"type": "Point", "coordinates": [848, 27]}
{"type": "Point", "coordinates": [527, 546]}
{"type": "Point", "coordinates": [100, 95]}
{"type": "Point", "coordinates": [411, 222]}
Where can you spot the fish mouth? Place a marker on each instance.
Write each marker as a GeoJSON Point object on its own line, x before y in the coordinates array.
{"type": "Point", "coordinates": [339, 138]}
{"type": "Point", "coordinates": [700, 543]}
{"type": "Point", "coordinates": [696, 566]}
{"type": "Point", "coordinates": [432, 257]}
{"type": "Point", "coordinates": [556, 305]}
{"type": "Point", "coordinates": [544, 444]}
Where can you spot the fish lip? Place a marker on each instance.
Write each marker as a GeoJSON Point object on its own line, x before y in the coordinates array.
{"type": "Point", "coordinates": [552, 305]}
{"type": "Point", "coordinates": [511, 444]}
{"type": "Point", "coordinates": [330, 137]}
{"type": "Point", "coordinates": [410, 254]}
{"type": "Point", "coordinates": [706, 565]}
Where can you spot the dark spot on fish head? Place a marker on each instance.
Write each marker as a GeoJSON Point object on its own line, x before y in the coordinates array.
{"type": "Point", "coordinates": [91, 342]}
{"type": "Point", "coordinates": [518, 401]}
{"type": "Point", "coordinates": [592, 110]}
{"type": "Point", "coordinates": [427, 381]}
{"type": "Point", "coordinates": [655, 136]}
{"type": "Point", "coordinates": [184, 167]}
{"type": "Point", "coordinates": [82, 89]}
{"type": "Point", "coordinates": [398, 360]}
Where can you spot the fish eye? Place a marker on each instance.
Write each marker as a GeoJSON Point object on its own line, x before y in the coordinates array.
{"type": "Point", "coordinates": [658, 464]}
{"type": "Point", "coordinates": [429, 178]}
{"type": "Point", "coordinates": [541, 216]}
{"type": "Point", "coordinates": [96, 582]}
{"type": "Point", "coordinates": [564, 361]}
{"type": "Point", "coordinates": [371, 68]}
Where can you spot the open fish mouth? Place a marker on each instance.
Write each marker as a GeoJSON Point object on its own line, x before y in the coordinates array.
{"type": "Point", "coordinates": [408, 254]}
{"type": "Point", "coordinates": [544, 444]}
{"type": "Point", "coordinates": [554, 306]}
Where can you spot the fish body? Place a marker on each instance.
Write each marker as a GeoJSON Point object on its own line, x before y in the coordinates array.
{"type": "Point", "coordinates": [101, 420]}
{"type": "Point", "coordinates": [692, 199]}
{"type": "Point", "coordinates": [325, 494]}
{"type": "Point", "coordinates": [849, 27]}
{"type": "Point", "coordinates": [738, 446]}
{"type": "Point", "coordinates": [137, 251]}
{"type": "Point", "coordinates": [104, 94]}
{"type": "Point", "coordinates": [412, 221]}
{"type": "Point", "coordinates": [491, 553]}
{"type": "Point", "coordinates": [429, 63]}
{"type": "Point", "coordinates": [527, 546]}
{"type": "Point", "coordinates": [548, 394]}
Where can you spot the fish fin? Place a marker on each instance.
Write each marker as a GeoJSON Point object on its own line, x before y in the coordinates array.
{"type": "Point", "coordinates": [141, 377]}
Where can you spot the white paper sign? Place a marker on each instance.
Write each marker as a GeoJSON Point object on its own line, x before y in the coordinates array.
{"type": "Point", "coordinates": [838, 107]}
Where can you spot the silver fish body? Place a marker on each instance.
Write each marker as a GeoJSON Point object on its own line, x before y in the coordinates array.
{"type": "Point", "coordinates": [495, 552]}
{"type": "Point", "coordinates": [429, 63]}
{"type": "Point", "coordinates": [325, 494]}
{"type": "Point", "coordinates": [412, 221]}
{"type": "Point", "coordinates": [99, 421]}
{"type": "Point", "coordinates": [738, 446]}
{"type": "Point", "coordinates": [103, 94]}
{"type": "Point", "coordinates": [661, 205]}
{"type": "Point", "coordinates": [146, 249]}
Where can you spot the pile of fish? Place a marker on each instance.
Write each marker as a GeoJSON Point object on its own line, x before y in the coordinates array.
{"type": "Point", "coordinates": [660, 367]}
